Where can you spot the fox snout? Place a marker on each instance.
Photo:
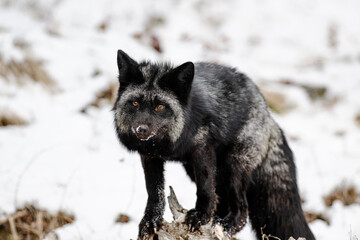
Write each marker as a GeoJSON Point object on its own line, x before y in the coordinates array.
{"type": "Point", "coordinates": [143, 132]}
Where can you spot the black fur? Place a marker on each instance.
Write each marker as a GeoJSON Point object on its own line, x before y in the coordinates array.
{"type": "Point", "coordinates": [217, 124]}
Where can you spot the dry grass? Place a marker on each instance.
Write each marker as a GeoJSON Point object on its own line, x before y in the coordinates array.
{"type": "Point", "coordinates": [28, 69]}
{"type": "Point", "coordinates": [9, 118]}
{"type": "Point", "coordinates": [148, 35]}
{"type": "Point", "coordinates": [357, 120]}
{"type": "Point", "coordinates": [149, 38]}
{"type": "Point", "coordinates": [333, 35]}
{"type": "Point", "coordinates": [312, 216]}
{"type": "Point", "coordinates": [30, 223]}
{"type": "Point", "coordinates": [106, 96]}
{"type": "Point", "coordinates": [313, 92]}
{"type": "Point", "coordinates": [347, 194]}
{"type": "Point", "coordinates": [277, 102]}
{"type": "Point", "coordinates": [122, 218]}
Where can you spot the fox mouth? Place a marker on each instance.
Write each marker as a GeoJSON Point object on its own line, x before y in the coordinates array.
{"type": "Point", "coordinates": [142, 136]}
{"type": "Point", "coordinates": [145, 138]}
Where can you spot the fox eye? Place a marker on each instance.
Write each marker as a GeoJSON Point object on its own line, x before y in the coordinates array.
{"type": "Point", "coordinates": [160, 107]}
{"type": "Point", "coordinates": [135, 103]}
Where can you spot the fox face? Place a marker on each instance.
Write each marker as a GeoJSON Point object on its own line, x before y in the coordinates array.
{"type": "Point", "coordinates": [151, 101]}
{"type": "Point", "coordinates": [147, 116]}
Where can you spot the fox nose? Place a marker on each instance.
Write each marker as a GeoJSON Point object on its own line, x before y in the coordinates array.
{"type": "Point", "coordinates": [144, 132]}
{"type": "Point", "coordinates": [142, 129]}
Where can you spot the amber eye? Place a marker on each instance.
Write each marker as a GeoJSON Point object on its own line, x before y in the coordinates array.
{"type": "Point", "coordinates": [160, 107]}
{"type": "Point", "coordinates": [135, 103]}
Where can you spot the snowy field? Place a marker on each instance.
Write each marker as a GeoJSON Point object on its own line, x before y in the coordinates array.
{"type": "Point", "coordinates": [68, 159]}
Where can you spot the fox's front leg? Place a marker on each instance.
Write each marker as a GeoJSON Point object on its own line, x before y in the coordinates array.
{"type": "Point", "coordinates": [154, 177]}
{"type": "Point", "coordinates": [201, 168]}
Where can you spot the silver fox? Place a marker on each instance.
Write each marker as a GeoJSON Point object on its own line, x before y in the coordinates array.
{"type": "Point", "coordinates": [214, 121]}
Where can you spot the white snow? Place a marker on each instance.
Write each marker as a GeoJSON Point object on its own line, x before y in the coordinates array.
{"type": "Point", "coordinates": [67, 160]}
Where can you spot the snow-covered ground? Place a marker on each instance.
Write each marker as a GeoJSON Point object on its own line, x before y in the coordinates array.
{"type": "Point", "coordinates": [67, 160]}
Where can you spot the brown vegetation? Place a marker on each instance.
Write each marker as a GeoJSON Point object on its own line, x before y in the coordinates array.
{"type": "Point", "coordinates": [148, 35]}
{"type": "Point", "coordinates": [346, 194]}
{"type": "Point", "coordinates": [30, 223]}
{"type": "Point", "coordinates": [357, 120]}
{"type": "Point", "coordinates": [105, 96]}
{"type": "Point", "coordinates": [9, 118]}
{"type": "Point", "coordinates": [277, 102]}
{"type": "Point", "coordinates": [313, 92]}
{"type": "Point", "coordinates": [25, 70]}
{"type": "Point", "coordinates": [122, 218]}
{"type": "Point", "coordinates": [312, 216]}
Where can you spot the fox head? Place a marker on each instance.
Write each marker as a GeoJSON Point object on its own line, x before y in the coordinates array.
{"type": "Point", "coordinates": [151, 100]}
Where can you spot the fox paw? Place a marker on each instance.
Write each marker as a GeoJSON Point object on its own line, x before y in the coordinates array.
{"type": "Point", "coordinates": [194, 219]}
{"type": "Point", "coordinates": [230, 224]}
{"type": "Point", "coordinates": [148, 227]}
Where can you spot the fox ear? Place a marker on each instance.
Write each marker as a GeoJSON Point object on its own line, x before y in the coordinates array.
{"type": "Point", "coordinates": [179, 80]}
{"type": "Point", "coordinates": [128, 70]}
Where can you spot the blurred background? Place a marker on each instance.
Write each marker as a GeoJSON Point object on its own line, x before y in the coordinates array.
{"type": "Point", "coordinates": [60, 161]}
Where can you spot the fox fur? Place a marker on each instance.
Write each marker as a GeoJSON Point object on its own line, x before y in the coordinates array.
{"type": "Point", "coordinates": [214, 121]}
